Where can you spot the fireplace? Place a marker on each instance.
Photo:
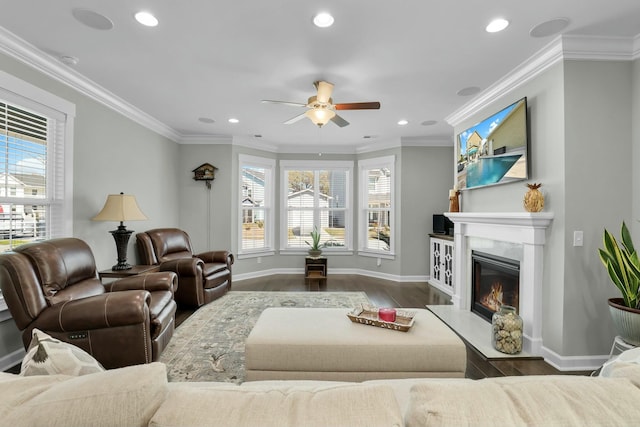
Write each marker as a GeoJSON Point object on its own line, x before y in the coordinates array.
{"type": "Point", "coordinates": [495, 282]}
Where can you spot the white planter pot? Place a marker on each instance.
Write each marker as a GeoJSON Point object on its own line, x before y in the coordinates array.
{"type": "Point", "coordinates": [626, 321]}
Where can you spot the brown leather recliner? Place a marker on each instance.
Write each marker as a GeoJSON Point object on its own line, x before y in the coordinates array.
{"type": "Point", "coordinates": [54, 286]}
{"type": "Point", "coordinates": [202, 278]}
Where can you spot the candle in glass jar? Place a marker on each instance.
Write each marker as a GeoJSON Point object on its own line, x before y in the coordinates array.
{"type": "Point", "coordinates": [387, 314]}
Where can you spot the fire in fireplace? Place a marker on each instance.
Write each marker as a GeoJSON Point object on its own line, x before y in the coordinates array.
{"type": "Point", "coordinates": [496, 282]}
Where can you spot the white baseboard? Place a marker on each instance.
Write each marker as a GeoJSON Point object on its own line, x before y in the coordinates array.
{"type": "Point", "coordinates": [357, 271]}
{"type": "Point", "coordinates": [573, 363]}
{"type": "Point", "coordinates": [12, 359]}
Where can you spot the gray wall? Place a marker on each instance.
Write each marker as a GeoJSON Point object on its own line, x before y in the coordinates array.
{"type": "Point", "coordinates": [421, 182]}
{"type": "Point", "coordinates": [111, 154]}
{"type": "Point", "coordinates": [580, 122]}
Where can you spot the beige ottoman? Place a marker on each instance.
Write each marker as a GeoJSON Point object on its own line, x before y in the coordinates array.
{"type": "Point", "coordinates": [323, 344]}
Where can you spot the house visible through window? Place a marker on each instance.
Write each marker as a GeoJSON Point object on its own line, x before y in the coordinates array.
{"type": "Point", "coordinates": [36, 168]}
{"type": "Point", "coordinates": [24, 146]}
{"type": "Point", "coordinates": [316, 195]}
{"type": "Point", "coordinates": [377, 205]}
{"type": "Point", "coordinates": [256, 205]}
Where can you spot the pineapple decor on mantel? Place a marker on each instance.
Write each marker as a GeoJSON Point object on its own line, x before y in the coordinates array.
{"type": "Point", "coordinates": [534, 200]}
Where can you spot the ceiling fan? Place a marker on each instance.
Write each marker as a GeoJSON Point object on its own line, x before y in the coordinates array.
{"type": "Point", "coordinates": [321, 108]}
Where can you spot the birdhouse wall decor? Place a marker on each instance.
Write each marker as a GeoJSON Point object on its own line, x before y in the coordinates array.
{"type": "Point", "coordinates": [205, 172]}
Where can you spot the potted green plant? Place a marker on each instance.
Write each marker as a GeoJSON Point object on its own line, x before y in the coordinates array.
{"type": "Point", "coordinates": [315, 247]}
{"type": "Point", "coordinates": [622, 264]}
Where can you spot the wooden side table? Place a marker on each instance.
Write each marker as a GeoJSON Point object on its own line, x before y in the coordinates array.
{"type": "Point", "coordinates": [133, 271]}
{"type": "Point", "coordinates": [315, 268]}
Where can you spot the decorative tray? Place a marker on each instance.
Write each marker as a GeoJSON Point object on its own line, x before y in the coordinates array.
{"type": "Point", "coordinates": [368, 315]}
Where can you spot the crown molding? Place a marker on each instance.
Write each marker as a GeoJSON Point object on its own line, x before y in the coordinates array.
{"type": "Point", "coordinates": [206, 139]}
{"type": "Point", "coordinates": [20, 50]}
{"type": "Point", "coordinates": [427, 141]}
{"type": "Point", "coordinates": [532, 67]}
{"type": "Point", "coordinates": [563, 47]}
{"type": "Point", "coordinates": [597, 48]}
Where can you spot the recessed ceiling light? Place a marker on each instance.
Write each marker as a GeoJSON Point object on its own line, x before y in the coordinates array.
{"type": "Point", "coordinates": [549, 28]}
{"type": "Point", "coordinates": [468, 91]}
{"type": "Point", "coordinates": [323, 20]}
{"type": "Point", "coordinates": [207, 120]}
{"type": "Point", "coordinates": [234, 120]}
{"type": "Point", "coordinates": [92, 19]}
{"type": "Point", "coordinates": [497, 25]}
{"type": "Point", "coordinates": [146, 19]}
{"type": "Point", "coordinates": [429, 122]}
{"type": "Point", "coordinates": [403, 122]}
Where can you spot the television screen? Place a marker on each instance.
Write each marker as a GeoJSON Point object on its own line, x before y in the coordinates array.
{"type": "Point", "coordinates": [494, 151]}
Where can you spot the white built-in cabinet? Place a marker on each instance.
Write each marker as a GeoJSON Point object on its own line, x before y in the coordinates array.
{"type": "Point", "coordinates": [441, 255]}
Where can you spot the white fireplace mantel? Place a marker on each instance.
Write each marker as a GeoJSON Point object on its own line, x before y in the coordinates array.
{"type": "Point", "coordinates": [522, 228]}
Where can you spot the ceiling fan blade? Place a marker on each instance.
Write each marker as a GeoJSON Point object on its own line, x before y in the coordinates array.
{"type": "Point", "coordinates": [339, 121]}
{"type": "Point", "coordinates": [293, 104]}
{"type": "Point", "coordinates": [324, 91]}
{"type": "Point", "coordinates": [358, 106]}
{"type": "Point", "coordinates": [295, 119]}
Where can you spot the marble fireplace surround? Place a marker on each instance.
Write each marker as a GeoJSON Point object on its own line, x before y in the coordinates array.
{"type": "Point", "coordinates": [520, 230]}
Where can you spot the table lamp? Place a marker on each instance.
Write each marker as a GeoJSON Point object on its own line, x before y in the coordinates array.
{"type": "Point", "coordinates": [120, 207]}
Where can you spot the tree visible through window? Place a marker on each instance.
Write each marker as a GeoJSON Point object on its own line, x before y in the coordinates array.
{"type": "Point", "coordinates": [316, 195]}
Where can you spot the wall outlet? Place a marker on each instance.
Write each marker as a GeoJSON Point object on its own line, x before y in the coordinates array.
{"type": "Point", "coordinates": [259, 260]}
{"type": "Point", "coordinates": [379, 262]}
{"type": "Point", "coordinates": [578, 238]}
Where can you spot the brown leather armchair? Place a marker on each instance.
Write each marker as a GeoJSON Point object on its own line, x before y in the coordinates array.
{"type": "Point", "coordinates": [54, 286]}
{"type": "Point", "coordinates": [202, 277]}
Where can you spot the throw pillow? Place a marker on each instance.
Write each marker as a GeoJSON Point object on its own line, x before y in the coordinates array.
{"type": "Point", "coordinates": [49, 356]}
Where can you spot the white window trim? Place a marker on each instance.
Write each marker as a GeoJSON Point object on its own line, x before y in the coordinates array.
{"type": "Point", "coordinates": [20, 92]}
{"type": "Point", "coordinates": [363, 167]}
{"type": "Point", "coordinates": [270, 186]}
{"type": "Point", "coordinates": [286, 165]}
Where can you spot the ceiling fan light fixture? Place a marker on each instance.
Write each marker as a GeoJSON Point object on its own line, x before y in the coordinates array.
{"type": "Point", "coordinates": [320, 116]}
{"type": "Point", "coordinates": [323, 20]}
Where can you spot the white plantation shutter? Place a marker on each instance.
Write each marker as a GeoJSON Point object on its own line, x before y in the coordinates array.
{"type": "Point", "coordinates": [377, 210]}
{"type": "Point", "coordinates": [316, 195]}
{"type": "Point", "coordinates": [35, 128]}
{"type": "Point", "coordinates": [256, 197]}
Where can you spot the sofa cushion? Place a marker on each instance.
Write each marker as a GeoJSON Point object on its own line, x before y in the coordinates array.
{"type": "Point", "coordinates": [48, 356]}
{"type": "Point", "coordinates": [525, 401]}
{"type": "Point", "coordinates": [119, 397]}
{"type": "Point", "coordinates": [266, 405]}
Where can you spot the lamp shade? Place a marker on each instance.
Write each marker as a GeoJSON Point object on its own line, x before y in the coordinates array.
{"type": "Point", "coordinates": [120, 207]}
{"type": "Point", "coordinates": [320, 116]}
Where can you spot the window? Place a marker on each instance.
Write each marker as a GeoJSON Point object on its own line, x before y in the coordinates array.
{"type": "Point", "coordinates": [316, 194]}
{"type": "Point", "coordinates": [256, 205]}
{"type": "Point", "coordinates": [377, 206]}
{"type": "Point", "coordinates": [36, 165]}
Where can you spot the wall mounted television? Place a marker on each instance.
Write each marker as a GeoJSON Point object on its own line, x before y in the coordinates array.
{"type": "Point", "coordinates": [496, 150]}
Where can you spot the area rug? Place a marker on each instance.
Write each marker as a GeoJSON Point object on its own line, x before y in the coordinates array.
{"type": "Point", "coordinates": [209, 345]}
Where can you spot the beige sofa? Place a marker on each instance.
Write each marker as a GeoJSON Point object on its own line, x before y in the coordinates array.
{"type": "Point", "coordinates": [141, 396]}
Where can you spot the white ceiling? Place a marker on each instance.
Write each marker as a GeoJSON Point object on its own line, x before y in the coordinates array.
{"type": "Point", "coordinates": [218, 59]}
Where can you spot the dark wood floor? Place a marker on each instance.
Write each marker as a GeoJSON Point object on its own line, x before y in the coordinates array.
{"type": "Point", "coordinates": [394, 294]}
